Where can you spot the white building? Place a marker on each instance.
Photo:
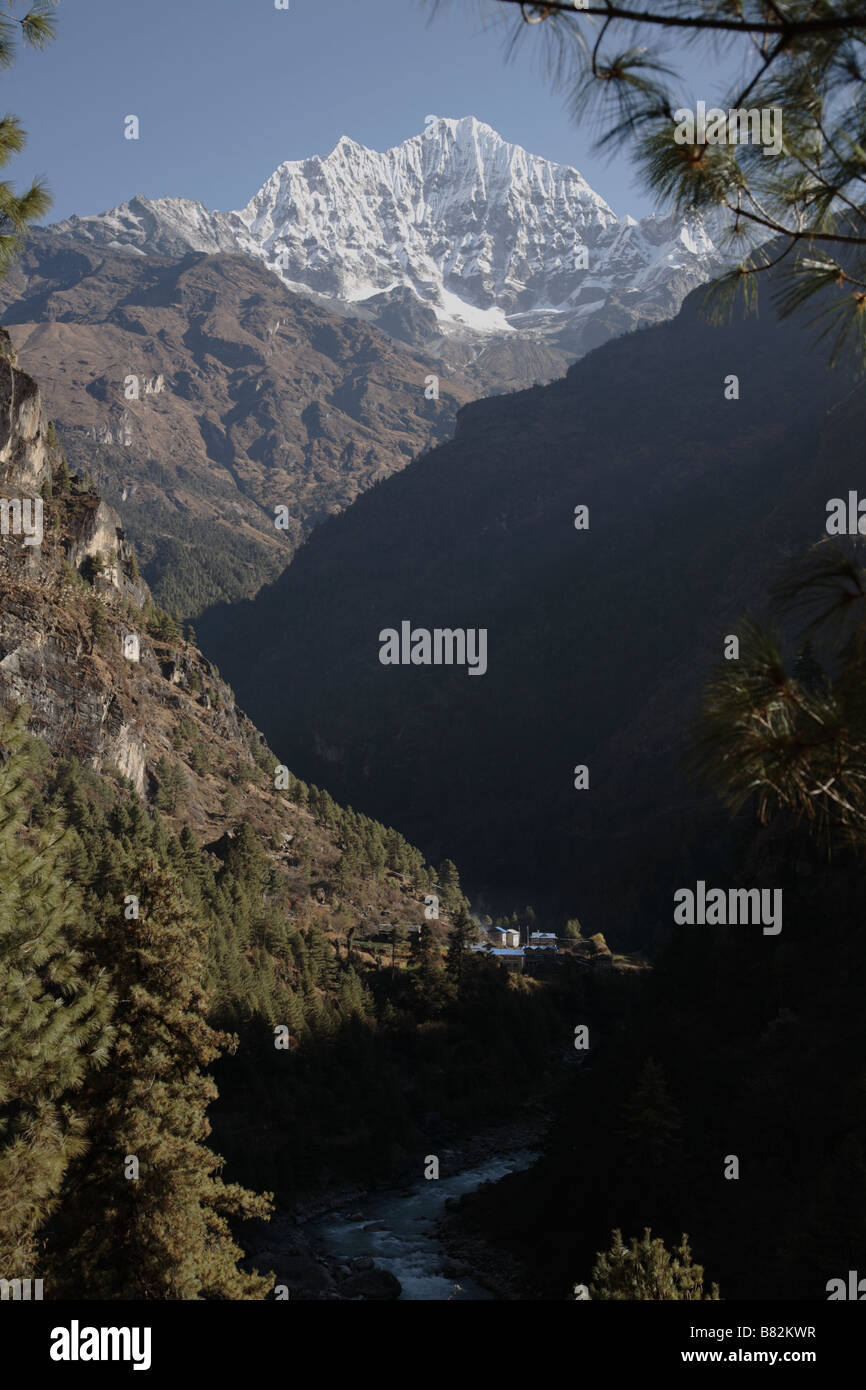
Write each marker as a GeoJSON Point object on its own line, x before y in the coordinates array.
{"type": "Point", "coordinates": [504, 937]}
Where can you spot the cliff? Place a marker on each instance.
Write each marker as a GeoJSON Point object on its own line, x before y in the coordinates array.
{"type": "Point", "coordinates": [110, 681]}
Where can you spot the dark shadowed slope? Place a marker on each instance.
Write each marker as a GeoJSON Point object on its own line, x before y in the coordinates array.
{"type": "Point", "coordinates": [598, 639]}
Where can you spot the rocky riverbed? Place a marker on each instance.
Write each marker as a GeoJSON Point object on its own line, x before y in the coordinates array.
{"type": "Point", "coordinates": [392, 1242]}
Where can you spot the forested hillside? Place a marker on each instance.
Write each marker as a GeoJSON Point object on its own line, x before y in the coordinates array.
{"type": "Point", "coordinates": [216, 942]}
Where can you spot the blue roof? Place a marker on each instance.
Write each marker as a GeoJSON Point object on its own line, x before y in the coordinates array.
{"type": "Point", "coordinates": [506, 950]}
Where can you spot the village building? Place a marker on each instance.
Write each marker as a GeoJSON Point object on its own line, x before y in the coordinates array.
{"type": "Point", "coordinates": [542, 954]}
{"type": "Point", "coordinates": [521, 950]}
{"type": "Point", "coordinates": [504, 936]}
{"type": "Point", "coordinates": [541, 941]}
{"type": "Point", "coordinates": [511, 957]}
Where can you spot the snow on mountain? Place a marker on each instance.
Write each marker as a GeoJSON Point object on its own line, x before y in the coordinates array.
{"type": "Point", "coordinates": [454, 237]}
{"type": "Point", "coordinates": [162, 227]}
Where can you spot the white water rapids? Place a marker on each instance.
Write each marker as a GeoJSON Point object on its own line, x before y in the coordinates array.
{"type": "Point", "coordinates": [398, 1230]}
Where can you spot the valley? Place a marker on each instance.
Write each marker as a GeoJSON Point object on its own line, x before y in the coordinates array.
{"type": "Point", "coordinates": [432, 655]}
{"type": "Point", "coordinates": [603, 635]}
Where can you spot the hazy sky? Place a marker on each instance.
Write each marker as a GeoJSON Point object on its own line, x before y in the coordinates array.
{"type": "Point", "coordinates": [226, 90]}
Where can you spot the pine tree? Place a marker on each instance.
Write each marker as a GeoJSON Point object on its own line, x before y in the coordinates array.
{"type": "Point", "coordinates": [795, 739]}
{"type": "Point", "coordinates": [321, 958]}
{"type": "Point", "coordinates": [458, 946]}
{"type": "Point", "coordinates": [352, 1000]}
{"type": "Point", "coordinates": [62, 480]}
{"type": "Point", "coordinates": [164, 1233]}
{"type": "Point", "coordinates": [244, 859]}
{"type": "Point", "coordinates": [621, 78]}
{"type": "Point", "coordinates": [449, 885]}
{"type": "Point", "coordinates": [646, 1271]}
{"type": "Point", "coordinates": [348, 870]}
{"type": "Point", "coordinates": [171, 786]}
{"type": "Point", "coordinates": [424, 953]}
{"type": "Point", "coordinates": [54, 1016]}
{"type": "Point", "coordinates": [36, 27]}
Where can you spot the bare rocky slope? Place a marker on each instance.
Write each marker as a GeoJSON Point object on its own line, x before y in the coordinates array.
{"type": "Point", "coordinates": [202, 395]}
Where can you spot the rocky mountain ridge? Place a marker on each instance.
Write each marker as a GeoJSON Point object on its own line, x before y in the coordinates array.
{"type": "Point", "coordinates": [202, 395]}
{"type": "Point", "coordinates": [455, 242]}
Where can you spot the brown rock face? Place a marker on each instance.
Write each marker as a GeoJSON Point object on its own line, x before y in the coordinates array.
{"type": "Point", "coordinates": [109, 680]}
{"type": "Point", "coordinates": [202, 396]}
{"type": "Point", "coordinates": [63, 649]}
{"type": "Point", "coordinates": [26, 456]}
{"type": "Point", "coordinates": [42, 635]}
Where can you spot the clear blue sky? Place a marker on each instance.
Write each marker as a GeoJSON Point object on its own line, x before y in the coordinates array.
{"type": "Point", "coordinates": [227, 89]}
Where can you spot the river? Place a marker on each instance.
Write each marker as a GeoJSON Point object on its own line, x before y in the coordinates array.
{"type": "Point", "coordinates": [398, 1230]}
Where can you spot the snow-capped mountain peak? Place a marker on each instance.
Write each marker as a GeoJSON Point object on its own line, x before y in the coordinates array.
{"type": "Point", "coordinates": [453, 232]}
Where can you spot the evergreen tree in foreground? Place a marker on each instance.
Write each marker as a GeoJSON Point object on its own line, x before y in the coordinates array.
{"type": "Point", "coordinates": [646, 1271]}
{"type": "Point", "coordinates": [800, 76]}
{"type": "Point", "coordinates": [790, 732]}
{"type": "Point", "coordinates": [53, 1011]}
{"type": "Point", "coordinates": [36, 27]}
{"type": "Point", "coordinates": [145, 1214]}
